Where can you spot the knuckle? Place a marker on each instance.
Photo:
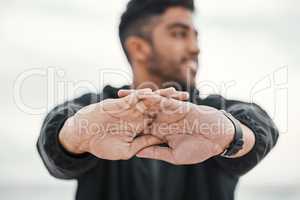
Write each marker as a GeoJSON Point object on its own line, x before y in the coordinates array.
{"type": "Point", "coordinates": [172, 89]}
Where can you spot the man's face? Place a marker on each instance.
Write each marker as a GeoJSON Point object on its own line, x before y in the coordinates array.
{"type": "Point", "coordinates": [175, 50]}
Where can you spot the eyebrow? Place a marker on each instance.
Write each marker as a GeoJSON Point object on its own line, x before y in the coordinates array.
{"type": "Point", "coordinates": [183, 26]}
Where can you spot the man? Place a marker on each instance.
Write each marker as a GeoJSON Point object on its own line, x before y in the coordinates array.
{"type": "Point", "coordinates": [146, 141]}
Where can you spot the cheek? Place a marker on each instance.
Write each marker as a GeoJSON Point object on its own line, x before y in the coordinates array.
{"type": "Point", "coordinates": [170, 52]}
{"type": "Point", "coordinates": [174, 46]}
{"type": "Point", "coordinates": [168, 48]}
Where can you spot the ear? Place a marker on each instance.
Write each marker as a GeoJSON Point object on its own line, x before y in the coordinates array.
{"type": "Point", "coordinates": [138, 49]}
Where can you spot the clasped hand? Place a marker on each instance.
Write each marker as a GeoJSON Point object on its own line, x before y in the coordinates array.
{"type": "Point", "coordinates": [137, 123]}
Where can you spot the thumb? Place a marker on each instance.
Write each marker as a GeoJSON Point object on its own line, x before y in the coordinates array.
{"type": "Point", "coordinates": [158, 153]}
{"type": "Point", "coordinates": [144, 141]}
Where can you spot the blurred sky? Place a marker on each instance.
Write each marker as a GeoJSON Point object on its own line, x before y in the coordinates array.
{"type": "Point", "coordinates": [252, 45]}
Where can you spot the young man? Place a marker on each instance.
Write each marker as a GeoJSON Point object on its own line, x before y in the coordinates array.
{"type": "Point", "coordinates": [196, 149]}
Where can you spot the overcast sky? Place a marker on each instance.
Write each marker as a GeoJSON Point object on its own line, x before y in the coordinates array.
{"type": "Point", "coordinates": [252, 45]}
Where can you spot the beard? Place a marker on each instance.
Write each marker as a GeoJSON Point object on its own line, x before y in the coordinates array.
{"type": "Point", "coordinates": [172, 72]}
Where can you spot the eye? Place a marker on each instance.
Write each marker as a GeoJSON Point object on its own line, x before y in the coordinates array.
{"type": "Point", "coordinates": [180, 34]}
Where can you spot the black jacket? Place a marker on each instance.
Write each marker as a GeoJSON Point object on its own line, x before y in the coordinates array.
{"type": "Point", "coordinates": [137, 179]}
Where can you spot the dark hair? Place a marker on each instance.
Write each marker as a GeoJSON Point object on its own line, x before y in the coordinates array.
{"type": "Point", "coordinates": [138, 15]}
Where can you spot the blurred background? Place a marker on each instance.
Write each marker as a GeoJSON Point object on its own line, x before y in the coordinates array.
{"type": "Point", "coordinates": [53, 50]}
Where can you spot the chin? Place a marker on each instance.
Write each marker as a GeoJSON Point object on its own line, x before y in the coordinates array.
{"type": "Point", "coordinates": [184, 84]}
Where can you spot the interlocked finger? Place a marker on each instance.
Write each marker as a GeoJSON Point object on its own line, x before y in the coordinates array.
{"type": "Point", "coordinates": [172, 93]}
{"type": "Point", "coordinates": [168, 92]}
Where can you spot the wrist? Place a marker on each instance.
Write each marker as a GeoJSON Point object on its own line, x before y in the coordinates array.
{"type": "Point", "coordinates": [227, 132]}
{"type": "Point", "coordinates": [237, 142]}
{"type": "Point", "coordinates": [69, 140]}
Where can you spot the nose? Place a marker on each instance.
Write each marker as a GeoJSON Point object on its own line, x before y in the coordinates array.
{"type": "Point", "coordinates": [194, 46]}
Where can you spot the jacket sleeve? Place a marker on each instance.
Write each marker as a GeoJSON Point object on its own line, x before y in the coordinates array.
{"type": "Point", "coordinates": [263, 127]}
{"type": "Point", "coordinates": [60, 163]}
